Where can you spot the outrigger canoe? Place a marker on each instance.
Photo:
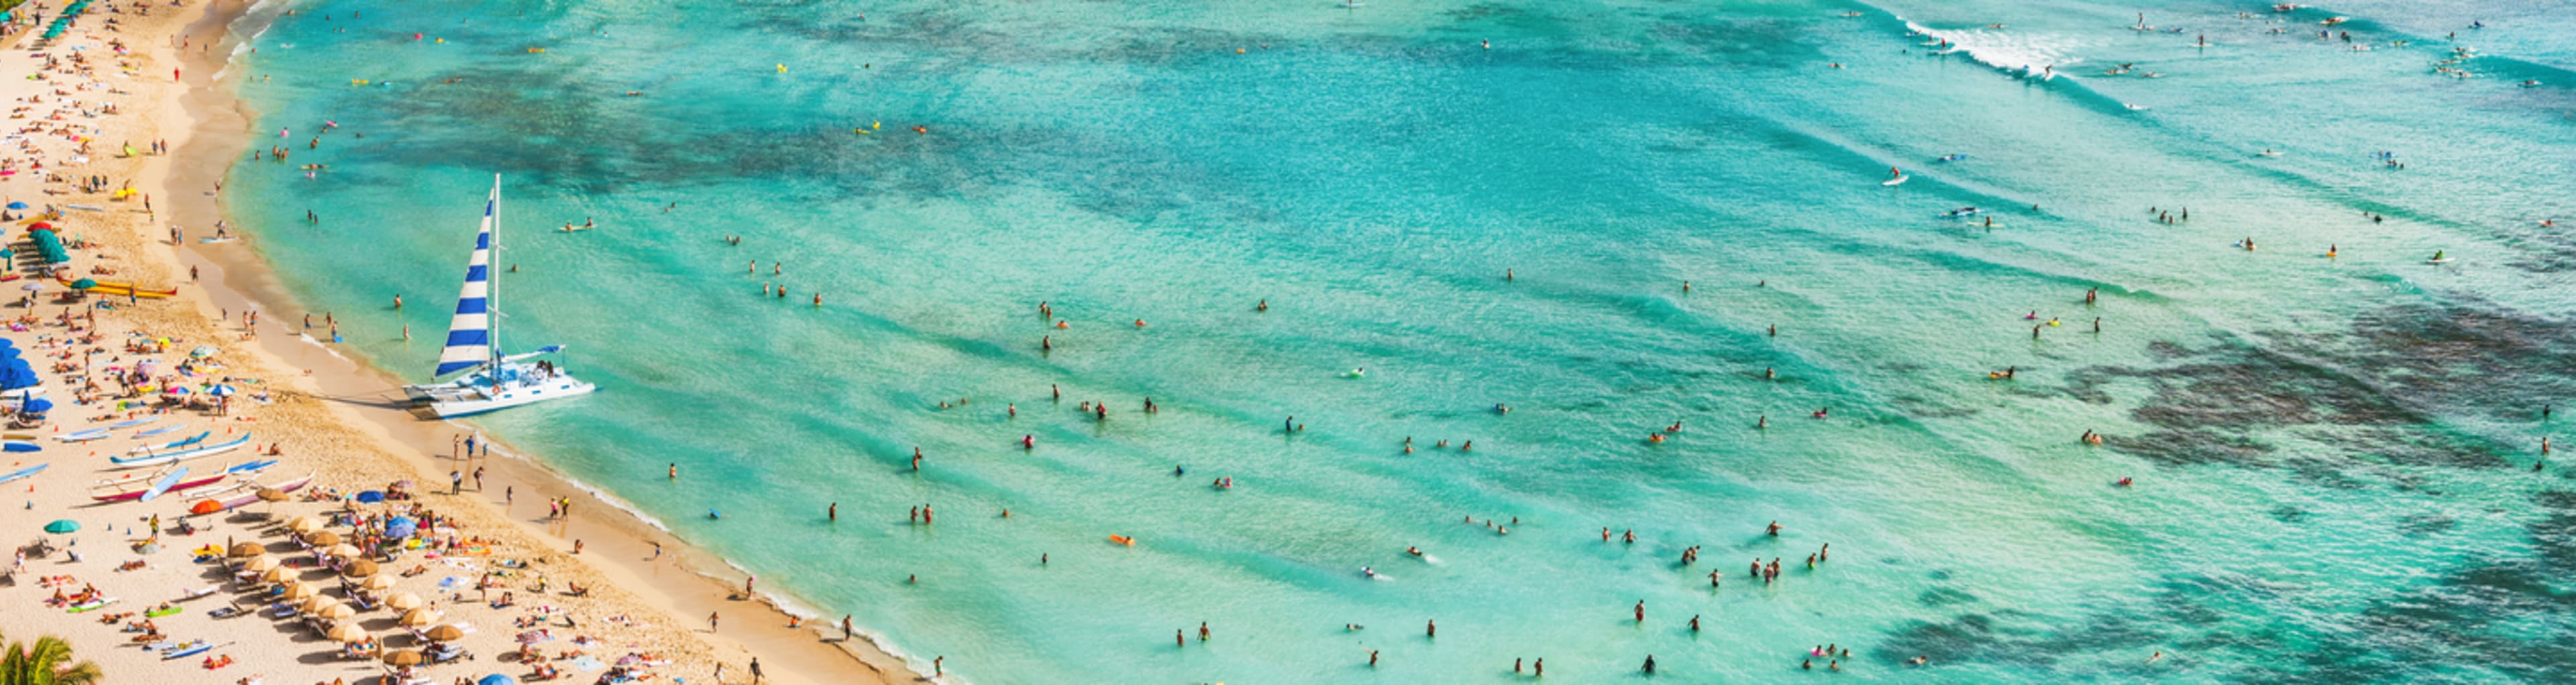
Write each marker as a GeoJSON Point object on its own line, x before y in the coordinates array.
{"type": "Point", "coordinates": [115, 289]}
{"type": "Point", "coordinates": [125, 489]}
{"type": "Point", "coordinates": [153, 457]}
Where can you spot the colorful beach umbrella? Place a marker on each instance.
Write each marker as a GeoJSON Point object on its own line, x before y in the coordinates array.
{"type": "Point", "coordinates": [221, 390]}
{"type": "Point", "coordinates": [62, 526]}
{"type": "Point", "coordinates": [205, 506]}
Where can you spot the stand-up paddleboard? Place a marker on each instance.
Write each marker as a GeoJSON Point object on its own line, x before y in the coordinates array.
{"type": "Point", "coordinates": [1894, 181]}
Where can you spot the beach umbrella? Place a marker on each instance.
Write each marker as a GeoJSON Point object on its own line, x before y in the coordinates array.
{"type": "Point", "coordinates": [205, 506]}
{"type": "Point", "coordinates": [371, 497]}
{"type": "Point", "coordinates": [84, 284]}
{"type": "Point", "coordinates": [277, 575]}
{"type": "Point", "coordinates": [32, 286]}
{"type": "Point", "coordinates": [221, 390]}
{"type": "Point", "coordinates": [247, 549]}
{"type": "Point", "coordinates": [324, 538]}
{"type": "Point", "coordinates": [359, 569]}
{"type": "Point", "coordinates": [378, 582]}
{"type": "Point", "coordinates": [62, 526]}
{"type": "Point", "coordinates": [335, 611]}
{"type": "Point", "coordinates": [301, 590]}
{"type": "Point", "coordinates": [306, 605]}
{"type": "Point", "coordinates": [304, 524]}
{"type": "Point", "coordinates": [202, 351]}
{"type": "Point", "coordinates": [497, 679]}
{"type": "Point", "coordinates": [259, 564]}
{"type": "Point", "coordinates": [401, 527]}
{"type": "Point", "coordinates": [175, 390]}
{"type": "Point", "coordinates": [272, 496]}
{"type": "Point", "coordinates": [445, 633]}
{"type": "Point", "coordinates": [403, 602]}
{"type": "Point", "coordinates": [14, 204]}
{"type": "Point", "coordinates": [419, 617]}
{"type": "Point", "coordinates": [404, 658]}
{"type": "Point", "coordinates": [342, 550]}
{"type": "Point", "coordinates": [38, 406]}
{"type": "Point", "coordinates": [347, 631]}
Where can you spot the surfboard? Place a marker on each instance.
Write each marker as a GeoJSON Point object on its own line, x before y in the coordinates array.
{"type": "Point", "coordinates": [214, 240]}
{"type": "Point", "coordinates": [1894, 181]}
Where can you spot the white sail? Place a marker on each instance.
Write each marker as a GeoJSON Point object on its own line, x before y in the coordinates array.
{"type": "Point", "coordinates": [470, 334]}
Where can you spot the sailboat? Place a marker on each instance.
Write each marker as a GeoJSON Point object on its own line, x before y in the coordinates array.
{"type": "Point", "coordinates": [490, 381]}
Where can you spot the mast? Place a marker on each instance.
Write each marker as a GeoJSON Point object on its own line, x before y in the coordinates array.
{"type": "Point", "coordinates": [493, 289]}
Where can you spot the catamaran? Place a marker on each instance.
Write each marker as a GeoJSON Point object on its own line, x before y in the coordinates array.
{"type": "Point", "coordinates": [490, 381]}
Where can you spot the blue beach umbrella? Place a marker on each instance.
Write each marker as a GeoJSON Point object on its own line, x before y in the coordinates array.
{"type": "Point", "coordinates": [221, 390]}
{"type": "Point", "coordinates": [39, 405]}
{"type": "Point", "coordinates": [62, 526]}
{"type": "Point", "coordinates": [497, 679]}
{"type": "Point", "coordinates": [371, 497]}
{"type": "Point", "coordinates": [13, 204]}
{"type": "Point", "coordinates": [401, 527]}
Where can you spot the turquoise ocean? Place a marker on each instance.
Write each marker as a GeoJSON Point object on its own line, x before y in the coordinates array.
{"type": "Point", "coordinates": [2333, 458]}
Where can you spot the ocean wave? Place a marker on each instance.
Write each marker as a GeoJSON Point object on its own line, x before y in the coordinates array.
{"type": "Point", "coordinates": [2026, 55]}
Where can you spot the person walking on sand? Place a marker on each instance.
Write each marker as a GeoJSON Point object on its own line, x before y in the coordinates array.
{"type": "Point", "coordinates": [712, 617]}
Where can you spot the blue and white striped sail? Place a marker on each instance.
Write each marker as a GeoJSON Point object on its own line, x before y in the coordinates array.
{"type": "Point", "coordinates": [469, 335]}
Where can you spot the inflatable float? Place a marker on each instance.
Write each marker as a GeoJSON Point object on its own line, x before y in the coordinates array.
{"type": "Point", "coordinates": [1123, 540]}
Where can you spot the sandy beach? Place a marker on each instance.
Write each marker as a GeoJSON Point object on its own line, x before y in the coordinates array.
{"type": "Point", "coordinates": [122, 364]}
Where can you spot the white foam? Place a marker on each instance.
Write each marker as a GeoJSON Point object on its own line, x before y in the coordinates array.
{"type": "Point", "coordinates": [2027, 55]}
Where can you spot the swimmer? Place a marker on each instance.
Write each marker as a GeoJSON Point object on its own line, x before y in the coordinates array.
{"type": "Point", "coordinates": [1415, 551]}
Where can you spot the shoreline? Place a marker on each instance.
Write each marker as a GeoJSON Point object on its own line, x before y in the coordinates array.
{"type": "Point", "coordinates": [209, 128]}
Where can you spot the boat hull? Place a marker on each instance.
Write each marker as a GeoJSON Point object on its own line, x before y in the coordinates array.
{"type": "Point", "coordinates": [449, 403]}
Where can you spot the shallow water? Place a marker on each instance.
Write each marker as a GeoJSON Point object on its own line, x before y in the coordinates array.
{"type": "Point", "coordinates": [2331, 455]}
